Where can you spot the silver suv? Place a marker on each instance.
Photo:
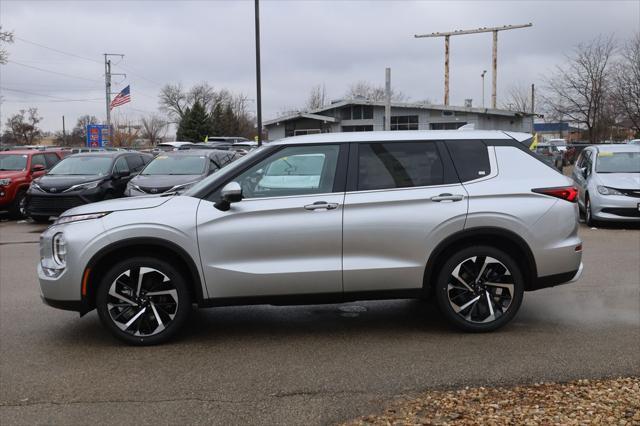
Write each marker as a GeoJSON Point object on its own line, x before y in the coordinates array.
{"type": "Point", "coordinates": [470, 217]}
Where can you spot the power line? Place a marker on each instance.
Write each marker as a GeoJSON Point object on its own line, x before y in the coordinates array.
{"type": "Point", "coordinates": [57, 98]}
{"type": "Point", "coordinates": [53, 72]}
{"type": "Point", "coordinates": [137, 75]}
{"type": "Point", "coordinates": [57, 50]}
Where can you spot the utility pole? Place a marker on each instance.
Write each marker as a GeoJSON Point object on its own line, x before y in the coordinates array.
{"type": "Point", "coordinates": [482, 75]}
{"type": "Point", "coordinates": [107, 84]}
{"type": "Point", "coordinates": [387, 99]}
{"type": "Point", "coordinates": [64, 133]}
{"type": "Point", "coordinates": [533, 98]}
{"type": "Point", "coordinates": [494, 63]}
{"type": "Point", "coordinates": [258, 85]}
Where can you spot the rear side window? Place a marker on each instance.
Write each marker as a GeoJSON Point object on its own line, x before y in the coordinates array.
{"type": "Point", "coordinates": [398, 165]}
{"type": "Point", "coordinates": [470, 159]}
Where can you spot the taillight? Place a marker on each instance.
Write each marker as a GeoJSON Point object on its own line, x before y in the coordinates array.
{"type": "Point", "coordinates": [567, 193]}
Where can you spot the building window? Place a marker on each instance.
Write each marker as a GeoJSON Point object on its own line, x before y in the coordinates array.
{"type": "Point", "coordinates": [357, 112]}
{"type": "Point", "coordinates": [306, 132]}
{"type": "Point", "coordinates": [404, 122]}
{"type": "Point", "coordinates": [357, 128]}
{"type": "Point", "coordinates": [447, 126]}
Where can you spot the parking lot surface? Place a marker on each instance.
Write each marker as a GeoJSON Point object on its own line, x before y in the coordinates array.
{"type": "Point", "coordinates": [305, 364]}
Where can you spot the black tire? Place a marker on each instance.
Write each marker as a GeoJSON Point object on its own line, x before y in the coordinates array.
{"type": "Point", "coordinates": [151, 283]}
{"type": "Point", "coordinates": [499, 309]}
{"type": "Point", "coordinates": [40, 219]}
{"type": "Point", "coordinates": [588, 214]}
{"type": "Point", "coordinates": [16, 210]}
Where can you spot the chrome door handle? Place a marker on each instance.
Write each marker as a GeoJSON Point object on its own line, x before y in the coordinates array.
{"type": "Point", "coordinates": [447, 197]}
{"type": "Point", "coordinates": [318, 205]}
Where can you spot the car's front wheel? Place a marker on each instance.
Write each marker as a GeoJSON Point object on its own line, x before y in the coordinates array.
{"type": "Point", "coordinates": [143, 300]}
{"type": "Point", "coordinates": [479, 289]}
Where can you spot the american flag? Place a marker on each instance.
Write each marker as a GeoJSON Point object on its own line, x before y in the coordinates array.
{"type": "Point", "coordinates": [123, 97]}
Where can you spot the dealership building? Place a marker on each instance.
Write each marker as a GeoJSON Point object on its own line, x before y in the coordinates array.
{"type": "Point", "coordinates": [355, 115]}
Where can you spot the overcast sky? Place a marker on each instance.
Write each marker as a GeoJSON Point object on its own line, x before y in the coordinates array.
{"type": "Point", "coordinates": [304, 43]}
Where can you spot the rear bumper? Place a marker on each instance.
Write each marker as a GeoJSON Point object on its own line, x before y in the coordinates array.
{"type": "Point", "coordinates": [557, 279]}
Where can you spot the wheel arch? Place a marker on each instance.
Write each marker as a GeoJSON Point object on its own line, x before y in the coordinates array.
{"type": "Point", "coordinates": [499, 238]}
{"type": "Point", "coordinates": [149, 246]}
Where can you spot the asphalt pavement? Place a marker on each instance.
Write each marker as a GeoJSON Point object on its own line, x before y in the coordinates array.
{"type": "Point", "coordinates": [305, 364]}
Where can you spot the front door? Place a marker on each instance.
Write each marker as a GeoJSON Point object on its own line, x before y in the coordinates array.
{"type": "Point", "coordinates": [285, 236]}
{"type": "Point", "coordinates": [402, 203]}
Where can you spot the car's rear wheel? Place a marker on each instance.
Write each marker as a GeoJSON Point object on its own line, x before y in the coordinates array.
{"type": "Point", "coordinates": [17, 209]}
{"type": "Point", "coordinates": [479, 289]}
{"type": "Point", "coordinates": [143, 301]}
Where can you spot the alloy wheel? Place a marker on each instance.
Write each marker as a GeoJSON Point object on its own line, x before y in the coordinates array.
{"type": "Point", "coordinates": [142, 301]}
{"type": "Point", "coordinates": [480, 289]}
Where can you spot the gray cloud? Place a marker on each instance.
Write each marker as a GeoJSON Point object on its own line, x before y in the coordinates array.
{"type": "Point", "coordinates": [303, 43]}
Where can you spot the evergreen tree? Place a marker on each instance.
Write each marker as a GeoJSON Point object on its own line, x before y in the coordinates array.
{"type": "Point", "coordinates": [195, 125]}
{"type": "Point", "coordinates": [217, 121]}
{"type": "Point", "coordinates": [232, 126]}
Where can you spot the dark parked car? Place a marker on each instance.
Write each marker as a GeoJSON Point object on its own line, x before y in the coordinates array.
{"type": "Point", "coordinates": [177, 171]}
{"type": "Point", "coordinates": [81, 179]}
{"type": "Point", "coordinates": [17, 170]}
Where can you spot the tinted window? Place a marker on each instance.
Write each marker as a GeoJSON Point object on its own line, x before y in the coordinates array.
{"type": "Point", "coordinates": [38, 159]}
{"type": "Point", "coordinates": [470, 158]}
{"type": "Point", "coordinates": [121, 165]}
{"type": "Point", "coordinates": [51, 159]}
{"type": "Point", "coordinates": [295, 170]}
{"type": "Point", "coordinates": [398, 165]}
{"type": "Point", "coordinates": [135, 163]}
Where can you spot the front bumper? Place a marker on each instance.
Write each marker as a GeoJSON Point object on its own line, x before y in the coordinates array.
{"type": "Point", "coordinates": [615, 208]}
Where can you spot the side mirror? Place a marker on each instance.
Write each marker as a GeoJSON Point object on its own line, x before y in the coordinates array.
{"type": "Point", "coordinates": [37, 168]}
{"type": "Point", "coordinates": [230, 193]}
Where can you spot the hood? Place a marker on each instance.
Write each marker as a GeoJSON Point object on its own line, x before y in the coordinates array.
{"type": "Point", "coordinates": [163, 183]}
{"type": "Point", "coordinates": [620, 180]}
{"type": "Point", "coordinates": [134, 203]}
{"type": "Point", "coordinates": [12, 173]}
{"type": "Point", "coordinates": [62, 182]}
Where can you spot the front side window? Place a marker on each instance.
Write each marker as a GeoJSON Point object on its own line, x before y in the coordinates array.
{"type": "Point", "coordinates": [38, 159]}
{"type": "Point", "coordinates": [295, 170]}
{"type": "Point", "coordinates": [398, 165]}
{"type": "Point", "coordinates": [121, 165]}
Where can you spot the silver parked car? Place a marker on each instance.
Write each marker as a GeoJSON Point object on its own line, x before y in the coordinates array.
{"type": "Point", "coordinates": [608, 180]}
{"type": "Point", "coordinates": [472, 218]}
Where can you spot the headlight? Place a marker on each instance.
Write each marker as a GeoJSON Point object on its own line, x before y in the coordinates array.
{"type": "Point", "coordinates": [605, 190]}
{"type": "Point", "coordinates": [5, 182]}
{"type": "Point", "coordinates": [34, 185]}
{"type": "Point", "coordinates": [59, 249]}
{"type": "Point", "coordinates": [88, 185]}
{"type": "Point", "coordinates": [78, 217]}
{"type": "Point", "coordinates": [183, 187]}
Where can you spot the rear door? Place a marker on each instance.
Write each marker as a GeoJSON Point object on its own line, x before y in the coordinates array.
{"type": "Point", "coordinates": [402, 198]}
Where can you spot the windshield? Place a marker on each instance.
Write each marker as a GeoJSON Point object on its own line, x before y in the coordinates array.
{"type": "Point", "coordinates": [233, 166]}
{"type": "Point", "coordinates": [13, 162]}
{"type": "Point", "coordinates": [618, 162]}
{"type": "Point", "coordinates": [83, 165]}
{"type": "Point", "coordinates": [176, 165]}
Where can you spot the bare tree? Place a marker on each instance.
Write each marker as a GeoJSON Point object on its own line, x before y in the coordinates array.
{"type": "Point", "coordinates": [23, 126]}
{"type": "Point", "coordinates": [5, 38]}
{"type": "Point", "coordinates": [174, 99]}
{"type": "Point", "coordinates": [124, 132]}
{"type": "Point", "coordinates": [626, 82]}
{"type": "Point", "coordinates": [153, 128]}
{"type": "Point", "coordinates": [317, 97]}
{"type": "Point", "coordinates": [371, 92]}
{"type": "Point", "coordinates": [518, 99]}
{"type": "Point", "coordinates": [578, 89]}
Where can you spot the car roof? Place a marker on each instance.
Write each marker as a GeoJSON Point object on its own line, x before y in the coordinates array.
{"type": "Point", "coordinates": [617, 147]}
{"type": "Point", "coordinates": [23, 151]}
{"type": "Point", "coordinates": [196, 152]}
{"type": "Point", "coordinates": [111, 154]}
{"type": "Point", "coordinates": [401, 135]}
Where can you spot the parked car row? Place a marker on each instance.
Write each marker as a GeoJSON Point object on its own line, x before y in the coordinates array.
{"type": "Point", "coordinates": [45, 184]}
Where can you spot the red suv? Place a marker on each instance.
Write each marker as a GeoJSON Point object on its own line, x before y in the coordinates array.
{"type": "Point", "coordinates": [17, 169]}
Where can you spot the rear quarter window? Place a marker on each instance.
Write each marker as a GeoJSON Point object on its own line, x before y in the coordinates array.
{"type": "Point", "coordinates": [470, 158]}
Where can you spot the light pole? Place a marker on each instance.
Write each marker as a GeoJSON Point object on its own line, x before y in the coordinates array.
{"type": "Point", "coordinates": [482, 75]}
{"type": "Point", "coordinates": [258, 85]}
